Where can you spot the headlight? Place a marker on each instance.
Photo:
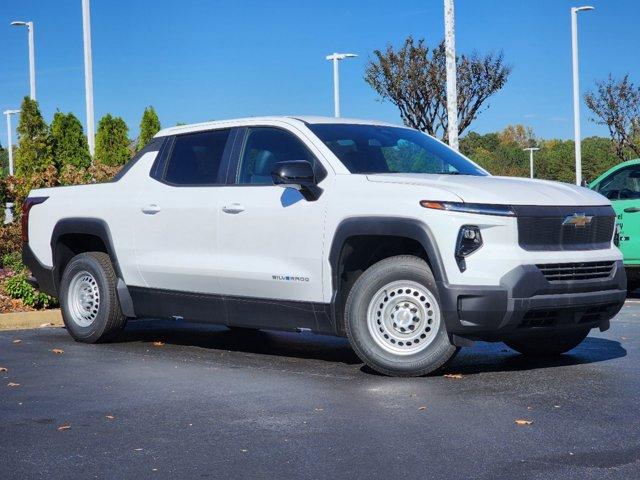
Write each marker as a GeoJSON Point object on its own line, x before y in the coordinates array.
{"type": "Point", "coordinates": [477, 208]}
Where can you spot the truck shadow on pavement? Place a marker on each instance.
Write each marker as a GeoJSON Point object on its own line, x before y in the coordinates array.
{"type": "Point", "coordinates": [481, 358]}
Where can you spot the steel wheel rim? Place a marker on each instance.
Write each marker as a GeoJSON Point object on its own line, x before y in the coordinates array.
{"type": "Point", "coordinates": [83, 298]}
{"type": "Point", "coordinates": [403, 317]}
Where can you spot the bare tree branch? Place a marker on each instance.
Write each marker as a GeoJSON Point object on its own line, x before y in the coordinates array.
{"type": "Point", "coordinates": [414, 79]}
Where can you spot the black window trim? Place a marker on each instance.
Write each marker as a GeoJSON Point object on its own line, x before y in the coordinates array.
{"type": "Point", "coordinates": [620, 170]}
{"type": "Point", "coordinates": [159, 170]}
{"type": "Point", "coordinates": [320, 170]}
{"type": "Point", "coordinates": [156, 144]}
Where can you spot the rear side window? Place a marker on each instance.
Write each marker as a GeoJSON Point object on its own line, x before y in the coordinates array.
{"type": "Point", "coordinates": [265, 147]}
{"type": "Point", "coordinates": [196, 158]}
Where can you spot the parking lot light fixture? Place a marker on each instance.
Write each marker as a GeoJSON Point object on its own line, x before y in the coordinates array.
{"type": "Point", "coordinates": [576, 88]}
{"type": "Point", "coordinates": [32, 61]}
{"type": "Point", "coordinates": [336, 57]}
{"type": "Point", "coordinates": [531, 150]}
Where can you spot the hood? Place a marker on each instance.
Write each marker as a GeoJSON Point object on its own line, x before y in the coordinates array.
{"type": "Point", "coordinates": [498, 190]}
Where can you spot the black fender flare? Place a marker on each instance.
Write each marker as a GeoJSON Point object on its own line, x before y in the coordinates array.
{"type": "Point", "coordinates": [98, 228]}
{"type": "Point", "coordinates": [411, 228]}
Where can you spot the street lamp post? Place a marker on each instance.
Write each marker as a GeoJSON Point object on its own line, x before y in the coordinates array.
{"type": "Point", "coordinates": [8, 216]}
{"type": "Point", "coordinates": [88, 74]}
{"type": "Point", "coordinates": [32, 60]}
{"type": "Point", "coordinates": [336, 57]}
{"type": "Point", "coordinates": [531, 150]}
{"type": "Point", "coordinates": [452, 89]}
{"type": "Point", "coordinates": [576, 89]}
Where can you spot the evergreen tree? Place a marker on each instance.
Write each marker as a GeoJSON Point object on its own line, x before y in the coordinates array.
{"type": "Point", "coordinates": [4, 161]}
{"type": "Point", "coordinates": [112, 141]}
{"type": "Point", "coordinates": [68, 141]}
{"type": "Point", "coordinates": [149, 126]}
{"type": "Point", "coordinates": [34, 141]}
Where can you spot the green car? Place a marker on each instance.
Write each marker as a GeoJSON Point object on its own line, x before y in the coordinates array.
{"type": "Point", "coordinates": [621, 185]}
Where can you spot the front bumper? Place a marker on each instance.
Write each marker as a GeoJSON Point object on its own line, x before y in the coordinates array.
{"type": "Point", "coordinates": [525, 302]}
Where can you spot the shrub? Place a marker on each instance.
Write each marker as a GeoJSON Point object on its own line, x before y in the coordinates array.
{"type": "Point", "coordinates": [10, 238]}
{"type": "Point", "coordinates": [18, 287]}
{"type": "Point", "coordinates": [13, 261]}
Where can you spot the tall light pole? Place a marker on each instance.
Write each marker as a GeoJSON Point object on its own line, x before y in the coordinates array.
{"type": "Point", "coordinates": [576, 89]}
{"type": "Point", "coordinates": [336, 57]}
{"type": "Point", "coordinates": [531, 150]}
{"type": "Point", "coordinates": [88, 75]}
{"type": "Point", "coordinates": [32, 59]}
{"type": "Point", "coordinates": [452, 89]}
{"type": "Point", "coordinates": [8, 216]}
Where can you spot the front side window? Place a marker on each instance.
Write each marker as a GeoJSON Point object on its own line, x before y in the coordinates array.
{"type": "Point", "coordinates": [265, 147]}
{"type": "Point", "coordinates": [380, 149]}
{"type": "Point", "coordinates": [621, 185]}
{"type": "Point", "coordinates": [196, 158]}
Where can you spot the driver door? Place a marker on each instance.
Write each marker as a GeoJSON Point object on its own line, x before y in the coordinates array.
{"type": "Point", "coordinates": [622, 187]}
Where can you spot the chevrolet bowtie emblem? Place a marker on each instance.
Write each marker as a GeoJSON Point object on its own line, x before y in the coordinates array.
{"type": "Point", "coordinates": [577, 220]}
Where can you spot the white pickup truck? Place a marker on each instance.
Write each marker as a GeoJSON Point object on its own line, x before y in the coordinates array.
{"type": "Point", "coordinates": [363, 229]}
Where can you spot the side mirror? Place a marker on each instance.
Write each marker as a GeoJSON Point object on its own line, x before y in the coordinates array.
{"type": "Point", "coordinates": [298, 174]}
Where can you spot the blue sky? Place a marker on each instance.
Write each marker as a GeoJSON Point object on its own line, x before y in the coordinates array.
{"type": "Point", "coordinates": [202, 60]}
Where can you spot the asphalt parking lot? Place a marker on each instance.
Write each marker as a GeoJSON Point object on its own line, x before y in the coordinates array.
{"type": "Point", "coordinates": [206, 402]}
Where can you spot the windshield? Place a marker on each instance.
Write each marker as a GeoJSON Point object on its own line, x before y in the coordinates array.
{"type": "Point", "coordinates": [380, 149]}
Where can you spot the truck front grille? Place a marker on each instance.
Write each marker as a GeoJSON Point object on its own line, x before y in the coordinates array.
{"type": "Point", "coordinates": [545, 229]}
{"type": "Point", "coordinates": [562, 272]}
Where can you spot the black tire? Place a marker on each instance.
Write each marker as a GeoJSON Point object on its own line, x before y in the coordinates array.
{"type": "Point", "coordinates": [632, 285]}
{"type": "Point", "coordinates": [109, 320]}
{"type": "Point", "coordinates": [403, 268]}
{"type": "Point", "coordinates": [548, 345]}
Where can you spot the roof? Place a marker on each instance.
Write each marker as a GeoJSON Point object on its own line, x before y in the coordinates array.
{"type": "Point", "coordinates": [256, 120]}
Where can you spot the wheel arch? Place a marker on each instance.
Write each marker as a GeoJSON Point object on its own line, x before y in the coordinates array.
{"type": "Point", "coordinates": [411, 233]}
{"type": "Point", "coordinates": [72, 236]}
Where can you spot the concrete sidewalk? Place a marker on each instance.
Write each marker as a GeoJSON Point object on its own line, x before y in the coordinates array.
{"type": "Point", "coordinates": [25, 320]}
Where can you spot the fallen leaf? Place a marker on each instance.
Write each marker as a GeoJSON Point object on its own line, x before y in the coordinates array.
{"type": "Point", "coordinates": [110, 417]}
{"type": "Point", "coordinates": [17, 340]}
{"type": "Point", "coordinates": [45, 325]}
{"type": "Point", "coordinates": [522, 421]}
{"type": "Point", "coordinates": [58, 351]}
{"type": "Point", "coordinates": [65, 426]}
{"type": "Point", "coordinates": [158, 344]}
{"type": "Point", "coordinates": [11, 384]}
{"type": "Point", "coordinates": [3, 369]}
{"type": "Point", "coordinates": [456, 376]}
{"type": "Point", "coordinates": [422, 408]}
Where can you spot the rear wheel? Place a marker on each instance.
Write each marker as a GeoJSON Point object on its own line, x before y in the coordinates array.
{"type": "Point", "coordinates": [393, 318]}
{"type": "Point", "coordinates": [548, 345]}
{"type": "Point", "coordinates": [88, 299]}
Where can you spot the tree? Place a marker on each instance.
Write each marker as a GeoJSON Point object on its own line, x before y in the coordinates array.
{"type": "Point", "coordinates": [149, 126]}
{"type": "Point", "coordinates": [518, 135]}
{"type": "Point", "coordinates": [34, 153]}
{"type": "Point", "coordinates": [616, 104]}
{"type": "Point", "coordinates": [112, 141]}
{"type": "Point", "coordinates": [414, 79]}
{"type": "Point", "coordinates": [4, 161]}
{"type": "Point", "coordinates": [69, 142]}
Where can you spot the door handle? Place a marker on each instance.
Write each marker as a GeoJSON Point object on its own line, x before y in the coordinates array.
{"type": "Point", "coordinates": [632, 210]}
{"type": "Point", "coordinates": [151, 209]}
{"type": "Point", "coordinates": [233, 208]}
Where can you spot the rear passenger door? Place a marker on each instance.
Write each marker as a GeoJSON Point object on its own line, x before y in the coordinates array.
{"type": "Point", "coordinates": [177, 221]}
{"type": "Point", "coordinates": [271, 238]}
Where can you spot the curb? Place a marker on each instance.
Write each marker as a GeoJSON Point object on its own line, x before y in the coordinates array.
{"type": "Point", "coordinates": [37, 319]}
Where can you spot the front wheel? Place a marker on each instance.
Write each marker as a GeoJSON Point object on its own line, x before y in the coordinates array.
{"type": "Point", "coordinates": [548, 345]}
{"type": "Point", "coordinates": [393, 319]}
